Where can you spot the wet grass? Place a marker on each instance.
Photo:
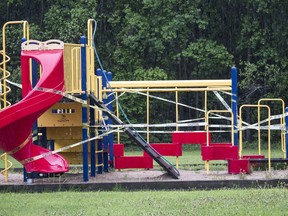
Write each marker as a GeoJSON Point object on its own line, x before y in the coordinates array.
{"type": "Point", "coordinates": [262, 201]}
{"type": "Point", "coordinates": [218, 202]}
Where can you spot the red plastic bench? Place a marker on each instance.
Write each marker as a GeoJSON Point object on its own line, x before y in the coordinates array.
{"type": "Point", "coordinates": [219, 151]}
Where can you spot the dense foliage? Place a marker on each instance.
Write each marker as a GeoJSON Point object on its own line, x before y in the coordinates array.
{"type": "Point", "coordinates": [171, 39]}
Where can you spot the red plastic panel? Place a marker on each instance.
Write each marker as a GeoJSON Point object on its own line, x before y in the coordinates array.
{"type": "Point", "coordinates": [118, 150]}
{"type": "Point", "coordinates": [238, 166]}
{"type": "Point", "coordinates": [190, 137]}
{"type": "Point", "coordinates": [253, 156]}
{"type": "Point", "coordinates": [254, 165]}
{"type": "Point", "coordinates": [167, 149]}
{"type": "Point", "coordinates": [222, 144]}
{"type": "Point", "coordinates": [219, 152]}
{"type": "Point", "coordinates": [133, 162]}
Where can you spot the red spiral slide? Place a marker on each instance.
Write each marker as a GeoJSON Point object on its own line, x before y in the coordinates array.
{"type": "Point", "coordinates": [16, 121]}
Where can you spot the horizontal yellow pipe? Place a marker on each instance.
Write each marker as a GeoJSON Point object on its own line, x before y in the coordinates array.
{"type": "Point", "coordinates": [73, 45]}
{"type": "Point", "coordinates": [220, 88]}
{"type": "Point", "coordinates": [169, 83]}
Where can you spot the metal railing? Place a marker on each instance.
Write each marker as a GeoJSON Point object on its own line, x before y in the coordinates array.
{"type": "Point", "coordinates": [4, 88]}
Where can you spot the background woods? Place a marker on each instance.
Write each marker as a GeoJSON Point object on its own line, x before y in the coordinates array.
{"type": "Point", "coordinates": [171, 39]}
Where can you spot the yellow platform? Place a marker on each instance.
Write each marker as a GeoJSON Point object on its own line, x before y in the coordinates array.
{"type": "Point", "coordinates": [62, 115]}
{"type": "Point", "coordinates": [64, 133]}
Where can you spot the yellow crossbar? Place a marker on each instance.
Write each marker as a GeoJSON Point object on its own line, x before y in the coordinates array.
{"type": "Point", "coordinates": [170, 83]}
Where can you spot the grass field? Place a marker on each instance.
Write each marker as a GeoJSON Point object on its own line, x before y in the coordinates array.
{"type": "Point", "coordinates": [219, 202]}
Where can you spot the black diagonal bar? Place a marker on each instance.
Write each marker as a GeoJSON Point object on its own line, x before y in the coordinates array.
{"type": "Point", "coordinates": [171, 170]}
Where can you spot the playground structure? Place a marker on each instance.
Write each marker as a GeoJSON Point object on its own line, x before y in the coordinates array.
{"type": "Point", "coordinates": [79, 128]}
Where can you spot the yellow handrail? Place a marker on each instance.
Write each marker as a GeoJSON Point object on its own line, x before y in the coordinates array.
{"type": "Point", "coordinates": [6, 74]}
{"type": "Point", "coordinates": [148, 115]}
{"type": "Point", "coordinates": [207, 130]}
{"type": "Point", "coordinates": [90, 31]}
{"type": "Point", "coordinates": [241, 132]}
{"type": "Point", "coordinates": [282, 123]}
{"type": "Point", "coordinates": [90, 56]}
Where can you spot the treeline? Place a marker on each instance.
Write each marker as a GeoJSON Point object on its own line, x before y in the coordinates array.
{"type": "Point", "coordinates": [171, 39]}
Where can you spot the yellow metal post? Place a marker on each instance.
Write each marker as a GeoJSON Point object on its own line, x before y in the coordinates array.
{"type": "Point", "coordinates": [117, 113]}
{"type": "Point", "coordinates": [147, 116]}
{"type": "Point", "coordinates": [207, 130]}
{"type": "Point", "coordinates": [269, 131]}
{"type": "Point", "coordinates": [177, 108]}
{"type": "Point", "coordinates": [176, 120]}
{"type": "Point", "coordinates": [282, 121]}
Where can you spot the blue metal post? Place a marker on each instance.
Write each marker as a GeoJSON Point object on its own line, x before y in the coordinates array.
{"type": "Point", "coordinates": [84, 109]}
{"type": "Point", "coordinates": [34, 73]}
{"type": "Point", "coordinates": [286, 122]}
{"type": "Point", "coordinates": [34, 83]}
{"type": "Point", "coordinates": [110, 122]}
{"type": "Point", "coordinates": [99, 142]}
{"type": "Point", "coordinates": [43, 138]}
{"type": "Point", "coordinates": [105, 117]}
{"type": "Point", "coordinates": [51, 145]}
{"type": "Point", "coordinates": [24, 170]}
{"type": "Point", "coordinates": [235, 103]}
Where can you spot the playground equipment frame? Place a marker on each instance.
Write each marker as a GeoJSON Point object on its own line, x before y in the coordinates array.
{"type": "Point", "coordinates": [94, 83]}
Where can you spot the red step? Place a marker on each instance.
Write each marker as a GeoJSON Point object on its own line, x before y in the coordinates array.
{"type": "Point", "coordinates": [130, 162]}
{"type": "Point", "coordinates": [133, 162]}
{"type": "Point", "coordinates": [167, 149]}
{"type": "Point", "coordinates": [238, 166]}
{"type": "Point", "coordinates": [118, 150]}
{"type": "Point", "coordinates": [217, 151]}
{"type": "Point", "coordinates": [253, 156]}
{"type": "Point", "coordinates": [254, 164]}
{"type": "Point", "coordinates": [190, 137]}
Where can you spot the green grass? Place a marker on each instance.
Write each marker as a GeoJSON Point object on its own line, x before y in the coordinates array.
{"type": "Point", "coordinates": [219, 202]}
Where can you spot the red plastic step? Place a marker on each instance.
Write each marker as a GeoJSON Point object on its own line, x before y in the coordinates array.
{"type": "Point", "coordinates": [190, 137]}
{"type": "Point", "coordinates": [219, 152]}
{"type": "Point", "coordinates": [167, 149]}
{"type": "Point", "coordinates": [133, 162]}
{"type": "Point", "coordinates": [130, 162]}
{"type": "Point", "coordinates": [238, 166]}
{"type": "Point", "coordinates": [253, 156]}
{"type": "Point", "coordinates": [118, 150]}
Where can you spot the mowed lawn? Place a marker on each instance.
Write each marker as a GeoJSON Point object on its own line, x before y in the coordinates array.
{"type": "Point", "coordinates": [218, 202]}
{"type": "Point", "coordinates": [261, 201]}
